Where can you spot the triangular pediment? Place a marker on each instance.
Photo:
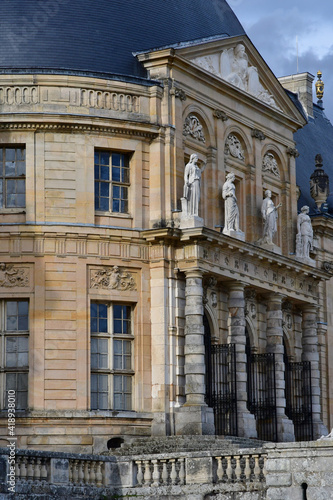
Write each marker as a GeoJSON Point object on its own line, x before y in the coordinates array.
{"type": "Point", "coordinates": [237, 63]}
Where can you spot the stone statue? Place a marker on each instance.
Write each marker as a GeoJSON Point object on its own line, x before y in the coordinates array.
{"type": "Point", "coordinates": [192, 181]}
{"type": "Point", "coordinates": [231, 212]}
{"type": "Point", "coordinates": [270, 215]}
{"type": "Point", "coordinates": [304, 237]}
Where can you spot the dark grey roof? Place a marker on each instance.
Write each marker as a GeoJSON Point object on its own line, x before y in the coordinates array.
{"type": "Point", "coordinates": [314, 138]}
{"type": "Point", "coordinates": [100, 36]}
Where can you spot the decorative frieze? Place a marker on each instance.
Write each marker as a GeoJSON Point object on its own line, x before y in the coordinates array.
{"type": "Point", "coordinates": [110, 100]}
{"type": "Point", "coordinates": [234, 147]}
{"type": "Point", "coordinates": [193, 127]}
{"type": "Point", "coordinates": [19, 95]}
{"type": "Point", "coordinates": [112, 279]}
{"type": "Point", "coordinates": [269, 164]}
{"type": "Point", "coordinates": [12, 276]}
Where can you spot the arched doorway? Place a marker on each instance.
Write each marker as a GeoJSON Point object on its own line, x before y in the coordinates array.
{"type": "Point", "coordinates": [220, 360]}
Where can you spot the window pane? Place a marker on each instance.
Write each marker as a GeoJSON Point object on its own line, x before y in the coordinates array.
{"type": "Point", "coordinates": [20, 154]}
{"type": "Point", "coordinates": [124, 206]}
{"type": "Point", "coordinates": [116, 206]}
{"type": "Point", "coordinates": [105, 173]}
{"type": "Point", "coordinates": [19, 383]}
{"type": "Point", "coordinates": [116, 174]}
{"type": "Point", "coordinates": [10, 169]}
{"type": "Point", "coordinates": [104, 158]}
{"type": "Point", "coordinates": [125, 175]}
{"type": "Point", "coordinates": [20, 168]}
{"type": "Point", "coordinates": [99, 391]}
{"type": "Point", "coordinates": [20, 186]}
{"type": "Point", "coordinates": [122, 392]}
{"type": "Point", "coordinates": [17, 352]}
{"type": "Point", "coordinates": [10, 154]}
{"type": "Point", "coordinates": [104, 204]}
{"type": "Point", "coordinates": [98, 317]}
{"type": "Point", "coordinates": [104, 189]}
{"type": "Point", "coordinates": [116, 158]}
{"type": "Point", "coordinates": [11, 186]}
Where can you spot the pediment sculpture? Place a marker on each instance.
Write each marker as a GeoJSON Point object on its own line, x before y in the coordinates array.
{"type": "Point", "coordinates": [233, 66]}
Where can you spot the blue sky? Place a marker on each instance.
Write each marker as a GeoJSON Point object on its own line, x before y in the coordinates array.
{"type": "Point", "coordinates": [273, 27]}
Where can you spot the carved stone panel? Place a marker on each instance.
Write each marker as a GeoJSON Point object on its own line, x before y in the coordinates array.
{"type": "Point", "coordinates": [112, 279]}
{"type": "Point", "coordinates": [234, 147]}
{"type": "Point", "coordinates": [193, 127]}
{"type": "Point", "coordinates": [269, 164]}
{"type": "Point", "coordinates": [12, 276]}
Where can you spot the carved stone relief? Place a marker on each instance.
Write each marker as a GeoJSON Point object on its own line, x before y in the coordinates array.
{"type": "Point", "coordinates": [269, 164]}
{"type": "Point", "coordinates": [112, 279]}
{"type": "Point", "coordinates": [12, 276]}
{"type": "Point", "coordinates": [233, 66]}
{"type": "Point", "coordinates": [250, 303]}
{"type": "Point", "coordinates": [193, 127]}
{"type": "Point", "coordinates": [220, 115]}
{"type": "Point", "coordinates": [234, 147]}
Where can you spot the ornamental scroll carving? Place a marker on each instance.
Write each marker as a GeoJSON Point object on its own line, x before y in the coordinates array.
{"type": "Point", "coordinates": [234, 147]}
{"type": "Point", "coordinates": [269, 164]}
{"type": "Point", "coordinates": [193, 127]}
{"type": "Point", "coordinates": [11, 276]}
{"type": "Point", "coordinates": [112, 279]}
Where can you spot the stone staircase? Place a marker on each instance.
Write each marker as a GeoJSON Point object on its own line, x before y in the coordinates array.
{"type": "Point", "coordinates": [183, 444]}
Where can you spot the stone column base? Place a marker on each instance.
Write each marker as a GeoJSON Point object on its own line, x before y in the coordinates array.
{"type": "Point", "coordinates": [234, 234]}
{"type": "Point", "coordinates": [285, 430]}
{"type": "Point", "coordinates": [268, 246]}
{"type": "Point", "coordinates": [194, 420]}
{"type": "Point", "coordinates": [246, 424]}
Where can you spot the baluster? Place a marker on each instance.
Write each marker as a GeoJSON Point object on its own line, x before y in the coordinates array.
{"type": "Point", "coordinates": [139, 476]}
{"type": "Point", "coordinates": [229, 469]}
{"type": "Point", "coordinates": [263, 469]}
{"type": "Point", "coordinates": [18, 468]}
{"type": "Point", "coordinates": [24, 469]}
{"type": "Point", "coordinates": [43, 471]}
{"type": "Point", "coordinates": [75, 472]}
{"type": "Point", "coordinates": [247, 469]}
{"type": "Point", "coordinates": [219, 472]}
{"type": "Point", "coordinates": [147, 474]}
{"type": "Point", "coordinates": [99, 475]}
{"type": "Point", "coordinates": [256, 470]}
{"type": "Point", "coordinates": [30, 469]}
{"type": "Point", "coordinates": [81, 471]}
{"type": "Point", "coordinates": [93, 465]}
{"type": "Point", "coordinates": [164, 472]}
{"type": "Point", "coordinates": [86, 471]}
{"type": "Point", "coordinates": [156, 473]}
{"type": "Point", "coordinates": [182, 471]}
{"type": "Point", "coordinates": [37, 469]}
{"type": "Point", "coordinates": [173, 475]}
{"type": "Point", "coordinates": [70, 471]}
{"type": "Point", "coordinates": [238, 469]}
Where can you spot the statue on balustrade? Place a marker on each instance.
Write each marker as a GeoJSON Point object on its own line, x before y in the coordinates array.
{"type": "Point", "coordinates": [304, 237]}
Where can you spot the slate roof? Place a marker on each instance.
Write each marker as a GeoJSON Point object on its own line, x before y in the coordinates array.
{"type": "Point", "coordinates": [315, 137]}
{"type": "Point", "coordinates": [99, 37]}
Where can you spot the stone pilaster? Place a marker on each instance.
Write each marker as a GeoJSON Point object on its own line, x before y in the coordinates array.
{"type": "Point", "coordinates": [194, 417]}
{"type": "Point", "coordinates": [285, 427]}
{"type": "Point", "coordinates": [236, 306]}
{"type": "Point", "coordinates": [310, 353]}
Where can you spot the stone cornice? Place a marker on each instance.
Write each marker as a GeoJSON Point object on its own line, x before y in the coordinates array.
{"type": "Point", "coordinates": [79, 127]}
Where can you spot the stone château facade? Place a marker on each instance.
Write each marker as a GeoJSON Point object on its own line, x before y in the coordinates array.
{"type": "Point", "coordinates": [119, 319]}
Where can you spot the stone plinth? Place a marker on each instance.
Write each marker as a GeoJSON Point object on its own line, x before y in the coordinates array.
{"type": "Point", "coordinates": [234, 234]}
{"type": "Point", "coordinates": [190, 221]}
{"type": "Point", "coordinates": [269, 246]}
{"type": "Point", "coordinates": [307, 260]}
{"type": "Point", "coordinates": [194, 420]}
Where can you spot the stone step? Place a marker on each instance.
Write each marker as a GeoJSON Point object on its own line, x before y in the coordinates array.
{"type": "Point", "coordinates": [171, 444]}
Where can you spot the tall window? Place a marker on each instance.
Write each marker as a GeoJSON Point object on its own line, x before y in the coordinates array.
{"type": "Point", "coordinates": [12, 177]}
{"type": "Point", "coordinates": [15, 350]}
{"type": "Point", "coordinates": [111, 182]}
{"type": "Point", "coordinates": [111, 356]}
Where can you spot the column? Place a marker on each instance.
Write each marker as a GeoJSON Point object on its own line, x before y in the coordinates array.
{"type": "Point", "coordinates": [194, 417]}
{"type": "Point", "coordinates": [310, 353]}
{"type": "Point", "coordinates": [285, 427]}
{"type": "Point", "coordinates": [236, 306]}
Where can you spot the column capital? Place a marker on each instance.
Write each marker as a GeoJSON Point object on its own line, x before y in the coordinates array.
{"type": "Point", "coordinates": [236, 286]}
{"type": "Point", "coordinates": [309, 308]}
{"type": "Point", "coordinates": [194, 273]}
{"type": "Point", "coordinates": [275, 298]}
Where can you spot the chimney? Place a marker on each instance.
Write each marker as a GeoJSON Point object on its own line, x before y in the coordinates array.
{"type": "Point", "coordinates": [300, 84]}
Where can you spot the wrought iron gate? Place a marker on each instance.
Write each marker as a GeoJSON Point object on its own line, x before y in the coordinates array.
{"type": "Point", "coordinates": [221, 394]}
{"type": "Point", "coordinates": [299, 399]}
{"type": "Point", "coordinates": [262, 394]}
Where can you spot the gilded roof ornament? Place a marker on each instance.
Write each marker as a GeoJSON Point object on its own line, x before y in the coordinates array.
{"type": "Point", "coordinates": [319, 86]}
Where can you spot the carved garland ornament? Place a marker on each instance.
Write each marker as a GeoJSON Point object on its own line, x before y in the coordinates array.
{"type": "Point", "coordinates": [193, 127]}
{"type": "Point", "coordinates": [11, 276]}
{"type": "Point", "coordinates": [234, 147]}
{"type": "Point", "coordinates": [269, 164]}
{"type": "Point", "coordinates": [112, 279]}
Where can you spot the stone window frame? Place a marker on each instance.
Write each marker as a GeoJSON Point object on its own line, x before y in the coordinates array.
{"type": "Point", "coordinates": [123, 185]}
{"type": "Point", "coordinates": [19, 369]}
{"type": "Point", "coordinates": [108, 369]}
{"type": "Point", "coordinates": [17, 178]}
